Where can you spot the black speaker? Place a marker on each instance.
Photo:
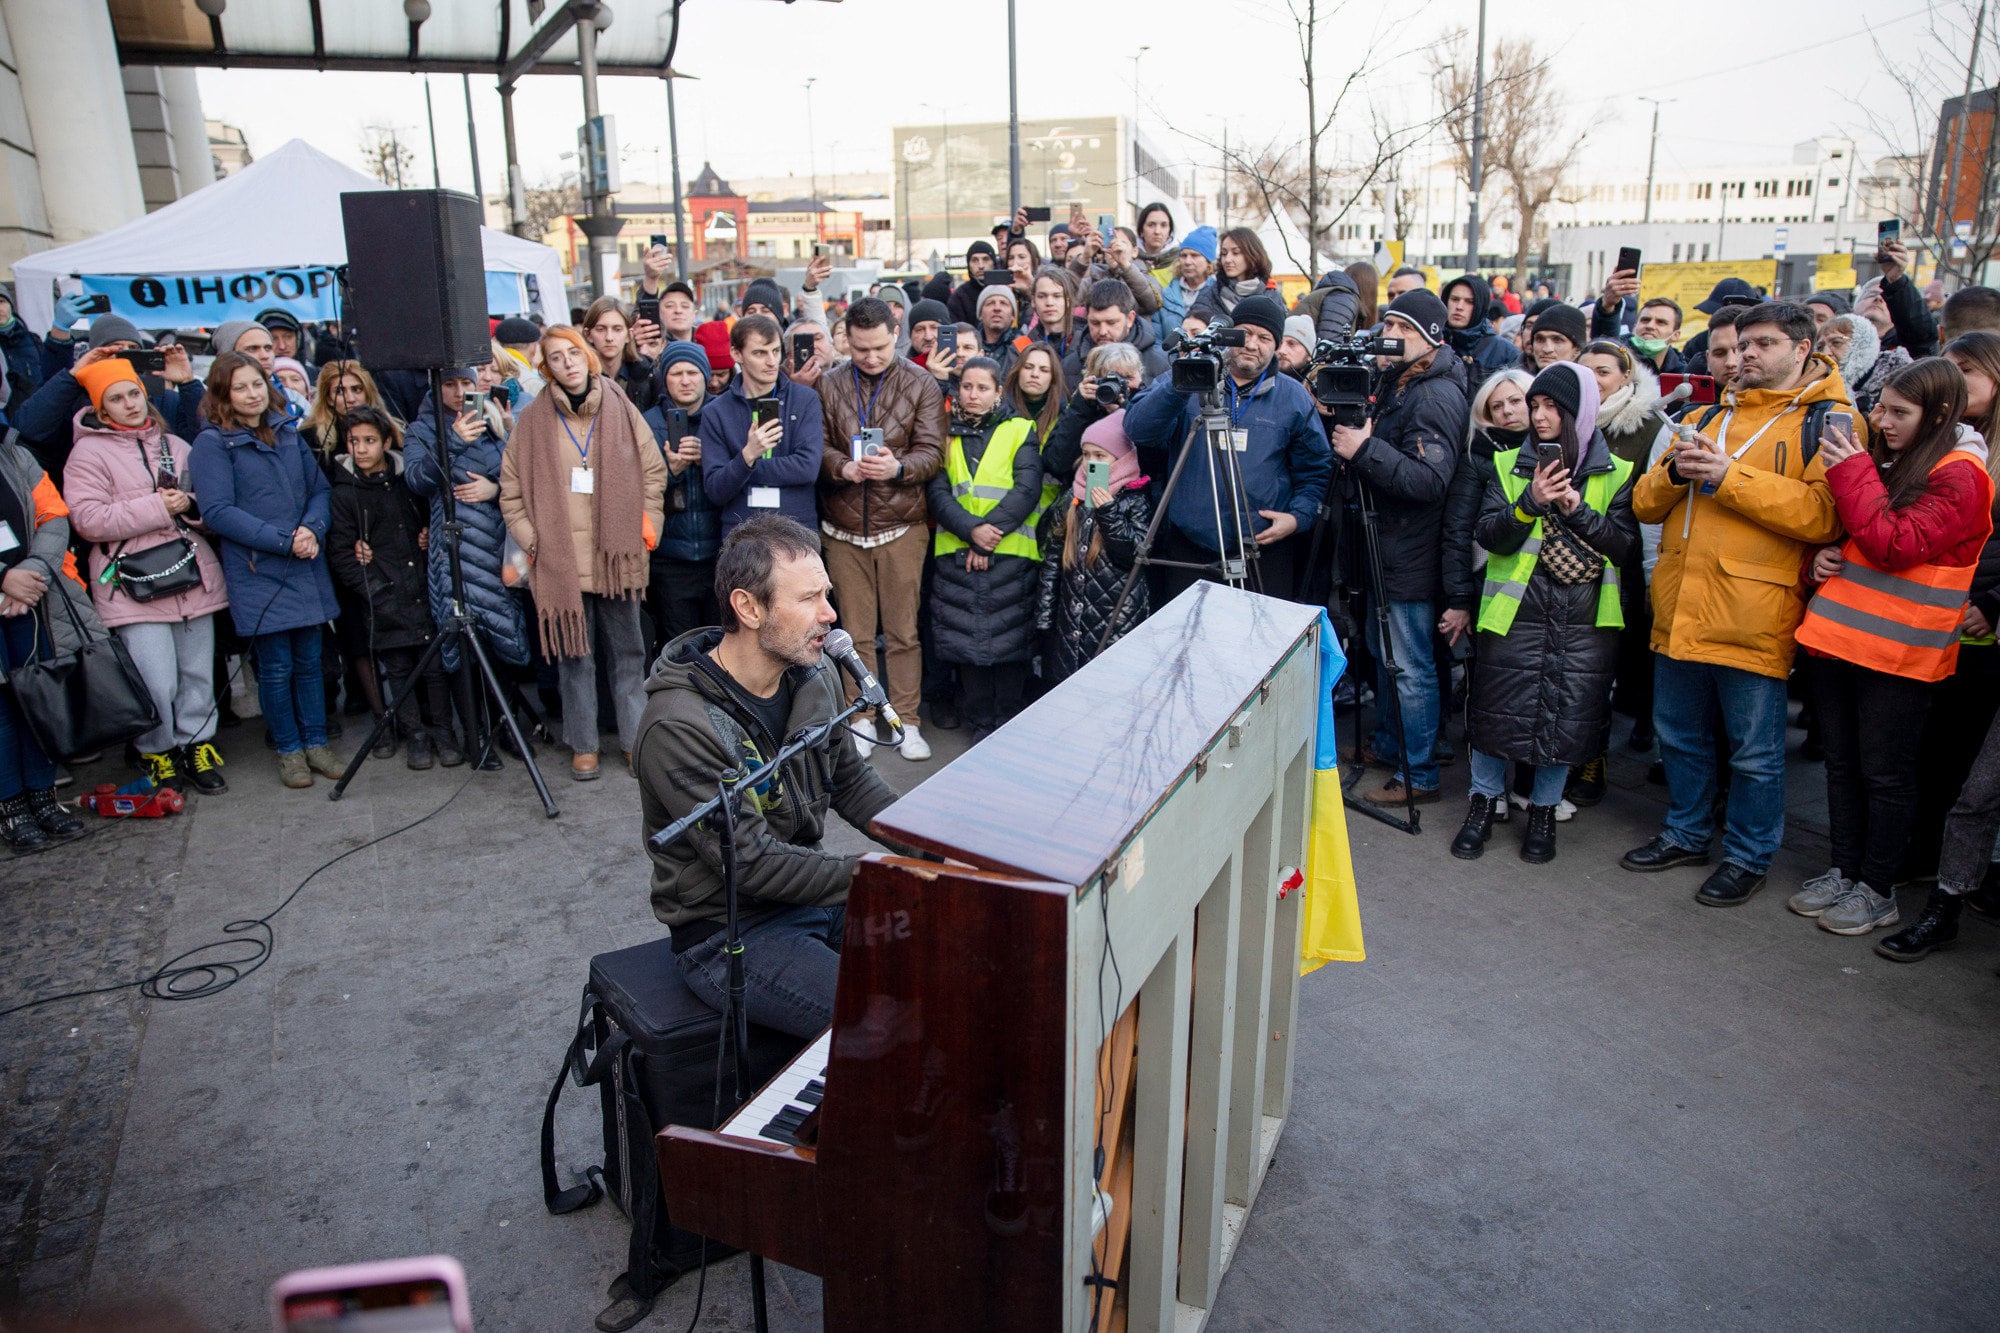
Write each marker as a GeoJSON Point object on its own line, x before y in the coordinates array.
{"type": "Point", "coordinates": [419, 279]}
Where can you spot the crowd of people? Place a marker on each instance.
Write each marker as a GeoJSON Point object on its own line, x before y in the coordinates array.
{"type": "Point", "coordinates": [1532, 532]}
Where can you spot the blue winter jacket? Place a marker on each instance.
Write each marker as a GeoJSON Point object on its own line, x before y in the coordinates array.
{"type": "Point", "coordinates": [693, 532]}
{"type": "Point", "coordinates": [483, 536]}
{"type": "Point", "coordinates": [1285, 467]}
{"type": "Point", "coordinates": [23, 351]}
{"type": "Point", "coordinates": [254, 496]}
{"type": "Point", "coordinates": [793, 469]}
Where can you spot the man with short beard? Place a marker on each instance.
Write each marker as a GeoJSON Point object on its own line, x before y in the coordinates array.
{"type": "Point", "coordinates": [720, 699]}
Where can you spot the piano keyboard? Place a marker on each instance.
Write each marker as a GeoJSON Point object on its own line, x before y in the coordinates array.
{"type": "Point", "coordinates": [781, 1106]}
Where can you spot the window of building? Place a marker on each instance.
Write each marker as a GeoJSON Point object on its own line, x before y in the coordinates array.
{"type": "Point", "coordinates": [1677, 252]}
{"type": "Point", "coordinates": [1704, 252]}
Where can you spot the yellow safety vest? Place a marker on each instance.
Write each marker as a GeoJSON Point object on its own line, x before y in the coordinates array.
{"type": "Point", "coordinates": [980, 492]}
{"type": "Point", "coordinates": [1507, 575]}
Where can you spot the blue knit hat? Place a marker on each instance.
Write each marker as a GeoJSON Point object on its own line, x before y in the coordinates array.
{"type": "Point", "coordinates": [676, 352]}
{"type": "Point", "coordinates": [1202, 241]}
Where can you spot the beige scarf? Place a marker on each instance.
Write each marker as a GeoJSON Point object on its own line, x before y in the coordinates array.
{"type": "Point", "coordinates": [617, 507]}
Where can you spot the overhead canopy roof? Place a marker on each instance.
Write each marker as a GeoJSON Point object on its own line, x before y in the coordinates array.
{"type": "Point", "coordinates": [458, 36]}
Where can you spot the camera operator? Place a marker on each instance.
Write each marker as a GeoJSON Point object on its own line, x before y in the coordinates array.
{"type": "Point", "coordinates": [1281, 456]}
{"type": "Point", "coordinates": [1405, 457]}
{"type": "Point", "coordinates": [1111, 316]}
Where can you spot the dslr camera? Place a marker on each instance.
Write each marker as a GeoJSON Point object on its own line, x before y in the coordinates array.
{"type": "Point", "coordinates": [1340, 375]}
{"type": "Point", "coordinates": [1197, 366]}
{"type": "Point", "coordinates": [1110, 392]}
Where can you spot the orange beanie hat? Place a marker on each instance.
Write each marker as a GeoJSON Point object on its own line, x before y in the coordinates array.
{"type": "Point", "coordinates": [99, 376]}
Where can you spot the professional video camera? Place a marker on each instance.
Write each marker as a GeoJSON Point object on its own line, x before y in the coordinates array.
{"type": "Point", "coordinates": [1198, 357]}
{"type": "Point", "coordinates": [1340, 375]}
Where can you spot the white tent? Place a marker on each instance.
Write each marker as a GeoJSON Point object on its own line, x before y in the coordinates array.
{"type": "Point", "coordinates": [282, 211]}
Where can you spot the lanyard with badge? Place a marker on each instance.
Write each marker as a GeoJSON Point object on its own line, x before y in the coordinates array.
{"type": "Point", "coordinates": [582, 481]}
{"type": "Point", "coordinates": [1239, 435]}
{"type": "Point", "coordinates": [1722, 442]}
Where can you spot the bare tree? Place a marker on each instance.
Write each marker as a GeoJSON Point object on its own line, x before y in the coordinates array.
{"type": "Point", "coordinates": [551, 200]}
{"type": "Point", "coordinates": [1528, 140]}
{"type": "Point", "coordinates": [384, 155]}
{"type": "Point", "coordinates": [1952, 172]}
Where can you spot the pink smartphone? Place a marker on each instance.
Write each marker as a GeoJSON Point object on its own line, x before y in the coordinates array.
{"type": "Point", "coordinates": [426, 1295]}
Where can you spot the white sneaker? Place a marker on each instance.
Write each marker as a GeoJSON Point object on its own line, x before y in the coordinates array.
{"type": "Point", "coordinates": [864, 748]}
{"type": "Point", "coordinates": [914, 747]}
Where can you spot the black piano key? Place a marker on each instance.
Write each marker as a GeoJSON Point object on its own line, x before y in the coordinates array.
{"type": "Point", "coordinates": [781, 1133]}
{"type": "Point", "coordinates": [811, 1096]}
{"type": "Point", "coordinates": [818, 1085]}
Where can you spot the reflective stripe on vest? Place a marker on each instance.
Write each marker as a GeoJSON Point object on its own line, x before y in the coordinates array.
{"type": "Point", "coordinates": [1507, 575]}
{"type": "Point", "coordinates": [1903, 623]}
{"type": "Point", "coordinates": [982, 491]}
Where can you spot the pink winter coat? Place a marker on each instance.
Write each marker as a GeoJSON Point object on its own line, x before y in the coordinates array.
{"type": "Point", "coordinates": [108, 485]}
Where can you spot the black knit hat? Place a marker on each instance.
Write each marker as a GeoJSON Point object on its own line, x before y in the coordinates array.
{"type": "Point", "coordinates": [1566, 320]}
{"type": "Point", "coordinates": [1559, 384]}
{"type": "Point", "coordinates": [980, 248]}
{"type": "Point", "coordinates": [934, 311]}
{"type": "Point", "coordinates": [1833, 301]}
{"type": "Point", "coordinates": [1421, 308]}
{"type": "Point", "coordinates": [1260, 311]}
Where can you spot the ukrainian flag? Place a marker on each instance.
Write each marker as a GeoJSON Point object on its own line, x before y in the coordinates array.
{"type": "Point", "coordinates": [1332, 930]}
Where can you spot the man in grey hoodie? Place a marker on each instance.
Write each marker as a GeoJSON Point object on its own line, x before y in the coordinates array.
{"type": "Point", "coordinates": [723, 699]}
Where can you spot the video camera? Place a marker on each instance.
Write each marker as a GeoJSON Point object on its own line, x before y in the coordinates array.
{"type": "Point", "coordinates": [1339, 375]}
{"type": "Point", "coordinates": [1197, 364]}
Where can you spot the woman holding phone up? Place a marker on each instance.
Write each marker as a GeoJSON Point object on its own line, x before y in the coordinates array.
{"type": "Point", "coordinates": [1556, 521]}
{"type": "Point", "coordinates": [1883, 629]}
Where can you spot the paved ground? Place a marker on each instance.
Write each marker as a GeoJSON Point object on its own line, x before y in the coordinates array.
{"type": "Point", "coordinates": [1562, 1096]}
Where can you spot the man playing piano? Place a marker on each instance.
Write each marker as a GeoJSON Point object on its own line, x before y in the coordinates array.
{"type": "Point", "coordinates": [726, 698]}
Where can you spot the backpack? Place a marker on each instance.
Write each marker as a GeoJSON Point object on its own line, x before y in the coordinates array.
{"type": "Point", "coordinates": [652, 1050]}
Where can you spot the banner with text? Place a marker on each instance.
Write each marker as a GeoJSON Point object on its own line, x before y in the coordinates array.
{"type": "Point", "coordinates": [203, 300]}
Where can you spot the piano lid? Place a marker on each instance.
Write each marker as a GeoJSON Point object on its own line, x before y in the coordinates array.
{"type": "Point", "coordinates": [1056, 792]}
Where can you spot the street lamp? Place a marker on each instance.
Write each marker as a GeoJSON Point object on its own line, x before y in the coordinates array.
{"type": "Point", "coordinates": [944, 155]}
{"type": "Point", "coordinates": [1136, 56]}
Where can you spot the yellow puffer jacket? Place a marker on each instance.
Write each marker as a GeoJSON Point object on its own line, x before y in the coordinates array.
{"type": "Point", "coordinates": [1728, 589]}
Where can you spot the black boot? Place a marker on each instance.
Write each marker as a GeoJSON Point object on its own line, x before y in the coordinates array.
{"type": "Point", "coordinates": [419, 756]}
{"type": "Point", "coordinates": [1538, 845]}
{"type": "Point", "coordinates": [1470, 844]}
{"type": "Point", "coordinates": [1934, 929]}
{"type": "Point", "coordinates": [385, 741]}
{"type": "Point", "coordinates": [57, 820]}
{"type": "Point", "coordinates": [18, 828]}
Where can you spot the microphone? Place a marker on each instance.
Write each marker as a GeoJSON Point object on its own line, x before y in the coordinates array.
{"type": "Point", "coordinates": [840, 647]}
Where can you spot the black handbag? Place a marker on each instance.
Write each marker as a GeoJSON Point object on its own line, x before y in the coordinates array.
{"type": "Point", "coordinates": [158, 571]}
{"type": "Point", "coordinates": [86, 701]}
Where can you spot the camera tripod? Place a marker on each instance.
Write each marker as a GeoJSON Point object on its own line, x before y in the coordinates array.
{"type": "Point", "coordinates": [1213, 427]}
{"type": "Point", "coordinates": [458, 625]}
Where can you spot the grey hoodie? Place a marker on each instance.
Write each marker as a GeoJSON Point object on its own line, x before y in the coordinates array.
{"type": "Point", "coordinates": [681, 753]}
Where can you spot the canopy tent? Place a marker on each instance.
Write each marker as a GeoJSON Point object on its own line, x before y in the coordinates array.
{"type": "Point", "coordinates": [249, 240]}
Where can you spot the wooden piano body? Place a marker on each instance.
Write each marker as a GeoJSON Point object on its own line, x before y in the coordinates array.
{"type": "Point", "coordinates": [1125, 837]}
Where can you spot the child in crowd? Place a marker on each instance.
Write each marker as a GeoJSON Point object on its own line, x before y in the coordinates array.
{"type": "Point", "coordinates": [1089, 541]}
{"type": "Point", "coordinates": [986, 505]}
{"type": "Point", "coordinates": [377, 542]}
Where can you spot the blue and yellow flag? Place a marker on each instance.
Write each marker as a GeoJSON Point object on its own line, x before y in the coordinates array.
{"type": "Point", "coordinates": [1332, 930]}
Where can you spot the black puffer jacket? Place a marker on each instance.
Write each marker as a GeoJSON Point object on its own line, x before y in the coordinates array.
{"type": "Point", "coordinates": [483, 547]}
{"type": "Point", "coordinates": [1408, 462]}
{"type": "Point", "coordinates": [391, 591]}
{"type": "Point", "coordinates": [1331, 305]}
{"type": "Point", "coordinates": [984, 617]}
{"type": "Point", "coordinates": [1462, 559]}
{"type": "Point", "coordinates": [1541, 693]}
{"type": "Point", "coordinates": [1077, 602]}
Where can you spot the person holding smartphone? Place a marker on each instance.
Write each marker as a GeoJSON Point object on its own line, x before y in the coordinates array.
{"type": "Point", "coordinates": [681, 593]}
{"type": "Point", "coordinates": [1089, 538]}
{"type": "Point", "coordinates": [761, 438]}
{"type": "Point", "coordinates": [1556, 521]}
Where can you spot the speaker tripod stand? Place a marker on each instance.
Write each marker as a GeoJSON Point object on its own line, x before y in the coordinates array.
{"type": "Point", "coordinates": [460, 627]}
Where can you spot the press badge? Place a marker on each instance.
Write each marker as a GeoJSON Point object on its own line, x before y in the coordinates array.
{"type": "Point", "coordinates": [1239, 438]}
{"type": "Point", "coordinates": [582, 481]}
{"type": "Point", "coordinates": [8, 541]}
{"type": "Point", "coordinates": [763, 497]}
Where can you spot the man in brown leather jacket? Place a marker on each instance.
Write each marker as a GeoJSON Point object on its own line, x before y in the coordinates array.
{"type": "Point", "coordinates": [872, 508]}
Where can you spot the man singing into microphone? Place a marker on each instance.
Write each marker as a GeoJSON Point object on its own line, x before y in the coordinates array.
{"type": "Point", "coordinates": [722, 699]}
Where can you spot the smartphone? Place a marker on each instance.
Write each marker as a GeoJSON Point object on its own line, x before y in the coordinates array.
{"type": "Point", "coordinates": [947, 338]}
{"type": "Point", "coordinates": [146, 360]}
{"type": "Point", "coordinates": [646, 307]}
{"type": "Point", "coordinates": [475, 402]}
{"type": "Point", "coordinates": [999, 277]}
{"type": "Point", "coordinates": [1036, 213]}
{"type": "Point", "coordinates": [1106, 224]}
{"type": "Point", "coordinates": [97, 305]}
{"type": "Point", "coordinates": [677, 427]}
{"type": "Point", "coordinates": [659, 238]}
{"type": "Point", "coordinates": [868, 441]}
{"type": "Point", "coordinates": [1628, 259]}
{"type": "Point", "coordinates": [1888, 231]}
{"type": "Point", "coordinates": [763, 410]}
{"type": "Point", "coordinates": [1546, 454]}
{"type": "Point", "coordinates": [1096, 477]}
{"type": "Point", "coordinates": [1843, 422]}
{"type": "Point", "coordinates": [426, 1295]}
{"type": "Point", "coordinates": [1704, 387]}
{"type": "Point", "coordinates": [802, 349]}
{"type": "Point", "coordinates": [822, 251]}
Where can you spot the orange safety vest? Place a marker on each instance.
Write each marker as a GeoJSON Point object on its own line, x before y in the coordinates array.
{"type": "Point", "coordinates": [1903, 623]}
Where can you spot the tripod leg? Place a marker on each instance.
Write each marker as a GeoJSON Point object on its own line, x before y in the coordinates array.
{"type": "Point", "coordinates": [1143, 557]}
{"type": "Point", "coordinates": [507, 716]}
{"type": "Point", "coordinates": [388, 713]}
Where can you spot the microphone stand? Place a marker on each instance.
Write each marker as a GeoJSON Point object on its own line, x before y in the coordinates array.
{"type": "Point", "coordinates": [722, 810]}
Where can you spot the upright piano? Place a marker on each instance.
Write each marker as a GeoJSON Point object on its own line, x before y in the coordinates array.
{"type": "Point", "coordinates": [1060, 1060]}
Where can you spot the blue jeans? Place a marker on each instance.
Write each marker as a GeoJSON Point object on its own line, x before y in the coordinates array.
{"type": "Point", "coordinates": [289, 688]}
{"type": "Point", "coordinates": [23, 765]}
{"type": "Point", "coordinates": [1489, 779]}
{"type": "Point", "coordinates": [1415, 688]}
{"type": "Point", "coordinates": [791, 960]}
{"type": "Point", "coordinates": [1688, 697]}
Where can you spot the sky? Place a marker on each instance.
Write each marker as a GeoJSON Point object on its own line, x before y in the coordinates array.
{"type": "Point", "coordinates": [1747, 80]}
